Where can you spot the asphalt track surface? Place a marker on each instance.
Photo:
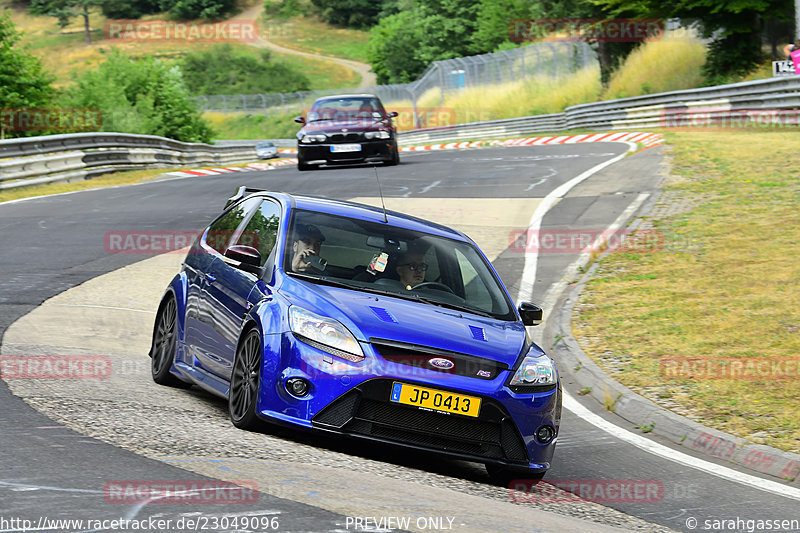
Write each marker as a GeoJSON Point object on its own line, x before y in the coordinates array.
{"type": "Point", "coordinates": [52, 244]}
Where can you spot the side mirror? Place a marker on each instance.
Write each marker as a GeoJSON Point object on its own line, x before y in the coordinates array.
{"type": "Point", "coordinates": [248, 257]}
{"type": "Point", "coordinates": [531, 314]}
{"type": "Point", "coordinates": [300, 120]}
{"type": "Point", "coordinates": [392, 114]}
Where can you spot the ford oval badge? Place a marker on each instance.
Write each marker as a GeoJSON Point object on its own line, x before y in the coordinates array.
{"type": "Point", "coordinates": [441, 362]}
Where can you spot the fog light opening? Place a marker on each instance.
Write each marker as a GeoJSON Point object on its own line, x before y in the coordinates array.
{"type": "Point", "coordinates": [545, 434]}
{"type": "Point", "coordinates": [297, 387]}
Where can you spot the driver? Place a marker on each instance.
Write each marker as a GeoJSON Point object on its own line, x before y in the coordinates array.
{"type": "Point", "coordinates": [411, 267]}
{"type": "Point", "coordinates": [307, 243]}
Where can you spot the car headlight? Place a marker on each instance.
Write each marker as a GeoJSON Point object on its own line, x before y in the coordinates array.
{"type": "Point", "coordinates": [377, 135]}
{"type": "Point", "coordinates": [313, 138]}
{"type": "Point", "coordinates": [324, 333]}
{"type": "Point", "coordinates": [535, 370]}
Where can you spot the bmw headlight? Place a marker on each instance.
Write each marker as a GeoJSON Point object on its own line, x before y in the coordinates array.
{"type": "Point", "coordinates": [535, 370]}
{"type": "Point", "coordinates": [313, 138]}
{"type": "Point", "coordinates": [377, 135]}
{"type": "Point", "coordinates": [325, 334]}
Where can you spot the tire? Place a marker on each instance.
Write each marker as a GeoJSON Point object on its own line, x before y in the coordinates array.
{"type": "Point", "coordinates": [303, 166]}
{"type": "Point", "coordinates": [395, 160]}
{"type": "Point", "coordinates": [505, 474]}
{"type": "Point", "coordinates": [243, 394]}
{"type": "Point", "coordinates": [162, 347]}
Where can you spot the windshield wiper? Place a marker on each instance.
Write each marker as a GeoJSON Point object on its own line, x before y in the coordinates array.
{"type": "Point", "coordinates": [333, 283]}
{"type": "Point", "coordinates": [448, 305]}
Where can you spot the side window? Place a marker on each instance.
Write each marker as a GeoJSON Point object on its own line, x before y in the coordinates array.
{"type": "Point", "coordinates": [262, 231]}
{"type": "Point", "coordinates": [223, 229]}
{"type": "Point", "coordinates": [475, 291]}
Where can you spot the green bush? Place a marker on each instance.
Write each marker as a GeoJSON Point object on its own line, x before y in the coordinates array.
{"type": "Point", "coordinates": [223, 69]}
{"type": "Point", "coordinates": [146, 96]}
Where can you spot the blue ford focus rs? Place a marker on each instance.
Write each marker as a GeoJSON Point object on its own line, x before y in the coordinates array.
{"type": "Point", "coordinates": [346, 318]}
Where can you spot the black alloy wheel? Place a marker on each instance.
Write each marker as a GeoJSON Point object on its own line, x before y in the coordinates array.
{"type": "Point", "coordinates": [162, 349]}
{"type": "Point", "coordinates": [244, 383]}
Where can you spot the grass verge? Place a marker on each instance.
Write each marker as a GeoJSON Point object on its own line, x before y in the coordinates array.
{"type": "Point", "coordinates": [724, 287]}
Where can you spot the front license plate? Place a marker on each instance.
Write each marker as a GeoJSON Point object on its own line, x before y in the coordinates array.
{"type": "Point", "coordinates": [435, 399]}
{"type": "Point", "coordinates": [346, 148]}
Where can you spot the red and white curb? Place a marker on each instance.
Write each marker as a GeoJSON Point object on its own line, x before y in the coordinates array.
{"type": "Point", "coordinates": [209, 171]}
{"type": "Point", "coordinates": [648, 139]}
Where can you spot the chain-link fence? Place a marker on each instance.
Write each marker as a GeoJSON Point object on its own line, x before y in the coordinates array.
{"type": "Point", "coordinates": [553, 60]}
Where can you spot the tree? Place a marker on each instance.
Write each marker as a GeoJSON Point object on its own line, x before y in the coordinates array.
{"type": "Point", "coordinates": [145, 96]}
{"type": "Point", "coordinates": [23, 80]}
{"type": "Point", "coordinates": [392, 46]}
{"type": "Point", "coordinates": [494, 20]}
{"type": "Point", "coordinates": [64, 10]}
{"type": "Point", "coordinates": [735, 26]}
{"type": "Point", "coordinates": [403, 44]}
{"type": "Point", "coordinates": [350, 13]}
{"type": "Point", "coordinates": [197, 9]}
{"type": "Point", "coordinates": [130, 9]}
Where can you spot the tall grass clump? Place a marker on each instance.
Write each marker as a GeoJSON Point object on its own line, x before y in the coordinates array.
{"type": "Point", "coordinates": [671, 63]}
{"type": "Point", "coordinates": [533, 96]}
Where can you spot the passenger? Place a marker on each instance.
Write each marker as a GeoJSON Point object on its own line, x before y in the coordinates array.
{"type": "Point", "coordinates": [307, 244]}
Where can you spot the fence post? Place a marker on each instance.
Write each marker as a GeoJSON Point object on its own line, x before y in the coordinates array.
{"type": "Point", "coordinates": [414, 108]}
{"type": "Point", "coordinates": [553, 56]}
{"type": "Point", "coordinates": [441, 79]}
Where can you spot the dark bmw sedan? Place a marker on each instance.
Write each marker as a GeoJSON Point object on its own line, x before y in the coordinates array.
{"type": "Point", "coordinates": [346, 129]}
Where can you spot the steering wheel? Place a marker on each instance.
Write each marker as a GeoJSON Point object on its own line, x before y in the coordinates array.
{"type": "Point", "coordinates": [433, 284]}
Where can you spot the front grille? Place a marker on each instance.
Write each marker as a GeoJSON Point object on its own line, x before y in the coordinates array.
{"type": "Point", "coordinates": [366, 410]}
{"type": "Point", "coordinates": [344, 137]}
{"type": "Point", "coordinates": [420, 356]}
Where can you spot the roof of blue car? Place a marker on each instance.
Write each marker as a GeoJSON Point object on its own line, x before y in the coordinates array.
{"type": "Point", "coordinates": [373, 214]}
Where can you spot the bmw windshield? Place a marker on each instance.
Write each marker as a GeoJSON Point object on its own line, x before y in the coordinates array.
{"type": "Point", "coordinates": [362, 255]}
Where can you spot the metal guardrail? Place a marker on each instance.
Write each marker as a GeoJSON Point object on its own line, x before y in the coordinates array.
{"type": "Point", "coordinates": [38, 160]}
{"type": "Point", "coordinates": [57, 158]}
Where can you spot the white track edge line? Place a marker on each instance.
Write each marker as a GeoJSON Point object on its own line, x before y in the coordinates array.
{"type": "Point", "coordinates": [655, 448]}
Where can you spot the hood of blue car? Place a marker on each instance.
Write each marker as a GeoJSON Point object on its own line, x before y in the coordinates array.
{"type": "Point", "coordinates": [371, 316]}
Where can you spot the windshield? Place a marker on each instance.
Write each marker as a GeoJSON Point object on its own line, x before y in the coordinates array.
{"type": "Point", "coordinates": [347, 109]}
{"type": "Point", "coordinates": [418, 266]}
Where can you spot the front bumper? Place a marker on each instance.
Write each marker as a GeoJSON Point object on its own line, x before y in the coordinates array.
{"type": "Point", "coordinates": [353, 399]}
{"type": "Point", "coordinates": [377, 151]}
